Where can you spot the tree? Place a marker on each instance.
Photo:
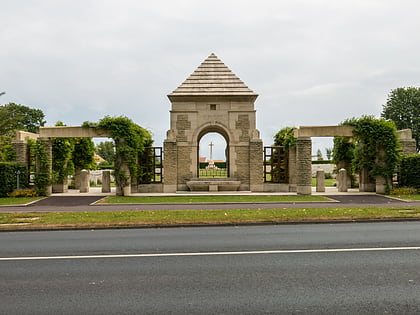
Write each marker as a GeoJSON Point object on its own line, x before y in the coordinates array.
{"type": "Point", "coordinates": [106, 151]}
{"type": "Point", "coordinates": [285, 137]}
{"type": "Point", "coordinates": [328, 152]}
{"type": "Point", "coordinates": [19, 117]}
{"type": "Point", "coordinates": [15, 117]}
{"type": "Point", "coordinates": [403, 107]}
{"type": "Point", "coordinates": [319, 155]}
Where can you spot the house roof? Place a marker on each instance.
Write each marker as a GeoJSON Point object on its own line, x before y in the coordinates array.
{"type": "Point", "coordinates": [213, 78]}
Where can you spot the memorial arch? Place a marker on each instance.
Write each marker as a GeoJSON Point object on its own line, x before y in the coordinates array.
{"type": "Point", "coordinates": [213, 99]}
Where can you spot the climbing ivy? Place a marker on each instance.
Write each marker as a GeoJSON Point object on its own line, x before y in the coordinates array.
{"type": "Point", "coordinates": [130, 140]}
{"type": "Point", "coordinates": [62, 164]}
{"type": "Point", "coordinates": [42, 174]}
{"type": "Point", "coordinates": [375, 146]}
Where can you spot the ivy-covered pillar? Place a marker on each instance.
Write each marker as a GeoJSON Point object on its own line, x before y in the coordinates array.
{"type": "Point", "coordinates": [44, 165]}
{"type": "Point", "coordinates": [122, 171]}
{"type": "Point", "coordinates": [304, 166]}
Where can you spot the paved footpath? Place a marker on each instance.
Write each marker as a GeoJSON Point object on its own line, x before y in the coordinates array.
{"type": "Point", "coordinates": [88, 203]}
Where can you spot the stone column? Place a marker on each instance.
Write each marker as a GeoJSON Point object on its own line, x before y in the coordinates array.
{"type": "Point", "coordinates": [382, 185]}
{"type": "Point", "coordinates": [408, 146]}
{"type": "Point", "coordinates": [106, 181]}
{"type": "Point", "coordinates": [256, 167]}
{"type": "Point", "coordinates": [342, 180]}
{"type": "Point", "coordinates": [21, 151]}
{"type": "Point", "coordinates": [292, 169]}
{"type": "Point", "coordinates": [320, 181]}
{"type": "Point", "coordinates": [366, 183]}
{"type": "Point", "coordinates": [84, 181]}
{"type": "Point", "coordinates": [170, 162]}
{"type": "Point", "coordinates": [304, 166]}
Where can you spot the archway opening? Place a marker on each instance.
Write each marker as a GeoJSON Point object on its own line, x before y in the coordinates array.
{"type": "Point", "coordinates": [213, 157]}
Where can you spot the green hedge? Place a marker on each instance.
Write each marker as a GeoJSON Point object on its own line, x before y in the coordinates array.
{"type": "Point", "coordinates": [322, 162]}
{"type": "Point", "coordinates": [8, 177]}
{"type": "Point", "coordinates": [410, 171]}
{"type": "Point", "coordinates": [218, 164]}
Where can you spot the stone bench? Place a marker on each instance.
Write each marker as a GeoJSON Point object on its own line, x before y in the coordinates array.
{"type": "Point", "coordinates": [213, 184]}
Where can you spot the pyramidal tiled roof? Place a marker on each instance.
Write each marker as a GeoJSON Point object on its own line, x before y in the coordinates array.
{"type": "Point", "coordinates": [213, 77]}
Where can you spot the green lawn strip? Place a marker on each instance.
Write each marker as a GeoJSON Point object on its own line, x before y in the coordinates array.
{"type": "Point", "coordinates": [407, 197]}
{"type": "Point", "coordinates": [185, 217]}
{"type": "Point", "coordinates": [212, 199]}
{"type": "Point", "coordinates": [11, 201]}
{"type": "Point", "coordinates": [330, 182]}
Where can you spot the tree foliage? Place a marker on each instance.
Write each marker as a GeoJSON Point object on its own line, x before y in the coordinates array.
{"type": "Point", "coordinates": [403, 108]}
{"type": "Point", "coordinates": [130, 140]}
{"type": "Point", "coordinates": [15, 117]}
{"type": "Point", "coordinates": [19, 117]}
{"type": "Point", "coordinates": [106, 150]}
{"type": "Point", "coordinates": [83, 152]}
{"type": "Point", "coordinates": [374, 146]}
{"type": "Point", "coordinates": [286, 138]}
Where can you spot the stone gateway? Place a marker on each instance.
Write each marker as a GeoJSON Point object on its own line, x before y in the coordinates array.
{"type": "Point", "coordinates": [213, 99]}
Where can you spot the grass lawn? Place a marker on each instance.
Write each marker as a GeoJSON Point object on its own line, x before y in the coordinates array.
{"type": "Point", "coordinates": [213, 198]}
{"type": "Point", "coordinates": [188, 217]}
{"type": "Point", "coordinates": [407, 197]}
{"type": "Point", "coordinates": [328, 182]}
{"type": "Point", "coordinates": [9, 201]}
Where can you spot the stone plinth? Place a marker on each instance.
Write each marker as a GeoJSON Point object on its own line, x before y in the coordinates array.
{"type": "Point", "coordinates": [213, 184]}
{"type": "Point", "coordinates": [84, 181]}
{"type": "Point", "coordinates": [320, 181]}
{"type": "Point", "coordinates": [106, 181]}
{"type": "Point", "coordinates": [342, 180]}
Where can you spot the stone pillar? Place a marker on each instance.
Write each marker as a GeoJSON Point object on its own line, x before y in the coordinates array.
{"type": "Point", "coordinates": [170, 162]}
{"type": "Point", "coordinates": [76, 178]}
{"type": "Point", "coordinates": [61, 187]}
{"type": "Point", "coordinates": [304, 166]}
{"type": "Point", "coordinates": [256, 167]}
{"type": "Point", "coordinates": [382, 185]}
{"type": "Point", "coordinates": [292, 169]}
{"type": "Point", "coordinates": [84, 181]}
{"type": "Point", "coordinates": [123, 188]}
{"type": "Point", "coordinates": [106, 181]}
{"type": "Point", "coordinates": [21, 151]}
{"type": "Point", "coordinates": [408, 146]}
{"type": "Point", "coordinates": [48, 146]}
{"type": "Point", "coordinates": [366, 183]}
{"type": "Point", "coordinates": [346, 166]}
{"type": "Point", "coordinates": [342, 180]}
{"type": "Point", "coordinates": [320, 181]}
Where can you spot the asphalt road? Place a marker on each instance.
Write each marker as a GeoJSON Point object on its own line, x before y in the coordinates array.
{"type": "Point", "coordinates": [87, 203]}
{"type": "Point", "coordinates": [306, 269]}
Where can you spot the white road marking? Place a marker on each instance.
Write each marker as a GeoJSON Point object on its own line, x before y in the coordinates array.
{"type": "Point", "coordinates": [259, 252]}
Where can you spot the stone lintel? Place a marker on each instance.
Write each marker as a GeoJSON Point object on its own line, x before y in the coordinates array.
{"type": "Point", "coordinates": [23, 135]}
{"type": "Point", "coordinates": [73, 132]}
{"type": "Point", "coordinates": [324, 131]}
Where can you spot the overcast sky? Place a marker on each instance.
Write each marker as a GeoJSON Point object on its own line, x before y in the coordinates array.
{"type": "Point", "coordinates": [312, 62]}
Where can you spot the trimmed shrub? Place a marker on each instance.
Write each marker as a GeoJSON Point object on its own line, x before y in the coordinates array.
{"type": "Point", "coordinates": [410, 171]}
{"type": "Point", "coordinates": [8, 177]}
{"type": "Point", "coordinates": [26, 192]}
{"type": "Point", "coordinates": [404, 191]}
